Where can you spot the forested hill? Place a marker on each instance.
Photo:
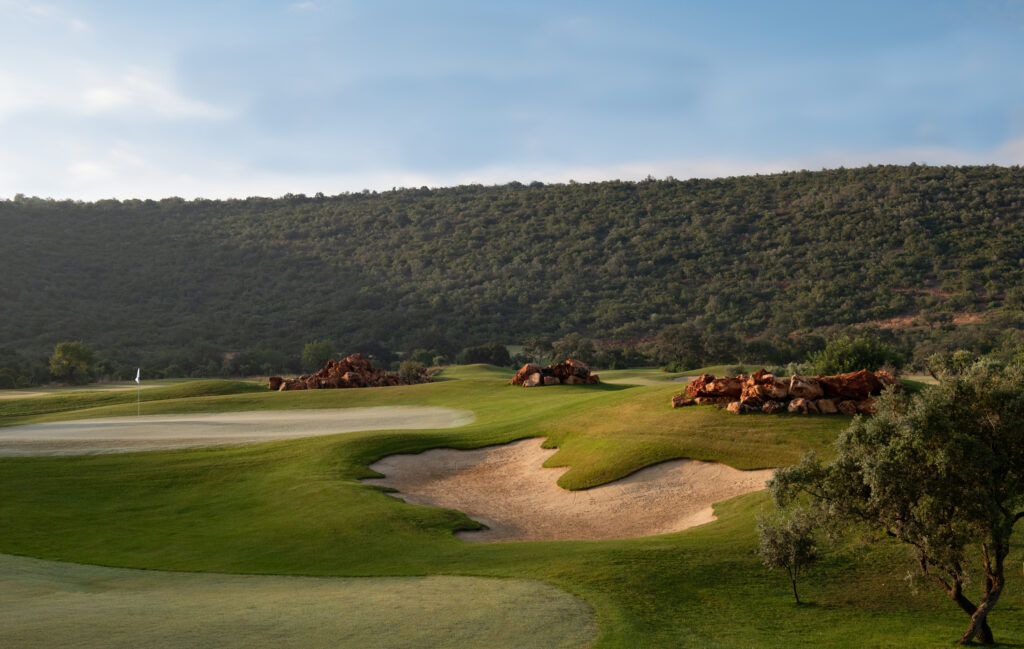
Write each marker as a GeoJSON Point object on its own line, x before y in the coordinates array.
{"type": "Point", "coordinates": [759, 255]}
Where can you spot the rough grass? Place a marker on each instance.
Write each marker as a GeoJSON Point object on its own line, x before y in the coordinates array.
{"type": "Point", "coordinates": [297, 508]}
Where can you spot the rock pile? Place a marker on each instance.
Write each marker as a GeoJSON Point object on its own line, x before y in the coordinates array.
{"type": "Point", "coordinates": [570, 372]}
{"type": "Point", "coordinates": [353, 371]}
{"type": "Point", "coordinates": [849, 393]}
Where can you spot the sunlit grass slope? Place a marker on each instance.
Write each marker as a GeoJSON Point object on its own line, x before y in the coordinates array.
{"type": "Point", "coordinates": [298, 508]}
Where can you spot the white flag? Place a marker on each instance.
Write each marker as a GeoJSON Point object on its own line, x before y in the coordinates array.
{"type": "Point", "coordinates": [138, 371]}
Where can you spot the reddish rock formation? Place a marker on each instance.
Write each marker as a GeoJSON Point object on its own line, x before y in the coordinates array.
{"type": "Point", "coordinates": [866, 407]}
{"type": "Point", "coordinates": [848, 393]}
{"type": "Point", "coordinates": [680, 400]}
{"type": "Point", "coordinates": [826, 406]}
{"type": "Point", "coordinates": [697, 386]}
{"type": "Point", "coordinates": [852, 385]}
{"type": "Point", "coordinates": [740, 408]}
{"type": "Point", "coordinates": [569, 372]}
{"type": "Point", "coordinates": [524, 373]}
{"type": "Point", "coordinates": [847, 407]}
{"type": "Point", "coordinates": [803, 406]}
{"type": "Point", "coordinates": [805, 387]}
{"type": "Point", "coordinates": [354, 371]}
{"type": "Point", "coordinates": [711, 401]}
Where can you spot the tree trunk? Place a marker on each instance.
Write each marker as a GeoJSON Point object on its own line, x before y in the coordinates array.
{"type": "Point", "coordinates": [979, 618]}
{"type": "Point", "coordinates": [978, 629]}
{"type": "Point", "coordinates": [792, 582]}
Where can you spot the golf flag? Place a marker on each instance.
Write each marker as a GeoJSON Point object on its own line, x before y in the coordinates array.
{"type": "Point", "coordinates": [138, 371]}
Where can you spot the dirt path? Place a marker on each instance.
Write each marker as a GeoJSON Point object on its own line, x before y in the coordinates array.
{"type": "Point", "coordinates": [153, 432]}
{"type": "Point", "coordinates": [506, 488]}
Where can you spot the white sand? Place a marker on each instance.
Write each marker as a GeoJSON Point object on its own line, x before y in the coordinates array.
{"type": "Point", "coordinates": [506, 488]}
{"type": "Point", "coordinates": [152, 432]}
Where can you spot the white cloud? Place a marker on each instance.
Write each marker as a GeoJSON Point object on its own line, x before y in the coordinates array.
{"type": "Point", "coordinates": [48, 13]}
{"type": "Point", "coordinates": [145, 92]}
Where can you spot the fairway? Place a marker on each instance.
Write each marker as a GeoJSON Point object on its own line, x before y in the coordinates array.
{"type": "Point", "coordinates": [296, 514]}
{"type": "Point", "coordinates": [152, 432]}
{"type": "Point", "coordinates": [48, 604]}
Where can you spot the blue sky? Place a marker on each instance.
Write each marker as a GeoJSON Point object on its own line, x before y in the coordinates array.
{"type": "Point", "coordinates": [222, 99]}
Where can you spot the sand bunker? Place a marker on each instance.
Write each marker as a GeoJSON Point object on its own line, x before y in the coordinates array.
{"type": "Point", "coordinates": [153, 432]}
{"type": "Point", "coordinates": [506, 488]}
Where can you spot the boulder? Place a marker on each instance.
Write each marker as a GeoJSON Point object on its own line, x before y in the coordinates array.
{"type": "Point", "coordinates": [354, 379]}
{"type": "Point", "coordinates": [826, 406]}
{"type": "Point", "coordinates": [696, 386]}
{"type": "Point", "coordinates": [847, 407]}
{"type": "Point", "coordinates": [804, 387]}
{"type": "Point", "coordinates": [866, 407]}
{"type": "Point", "coordinates": [593, 379]}
{"type": "Point", "coordinates": [524, 372]}
{"type": "Point", "coordinates": [777, 390]}
{"type": "Point", "coordinates": [275, 382]}
{"type": "Point", "coordinates": [753, 394]}
{"type": "Point", "coordinates": [771, 407]}
{"type": "Point", "coordinates": [760, 377]}
{"type": "Point", "coordinates": [710, 401]}
{"type": "Point", "coordinates": [740, 408]}
{"type": "Point", "coordinates": [727, 386]}
{"type": "Point", "coordinates": [561, 370]}
{"type": "Point", "coordinates": [579, 368]}
{"type": "Point", "coordinates": [533, 380]}
{"type": "Point", "coordinates": [552, 380]}
{"type": "Point", "coordinates": [680, 400]}
{"type": "Point", "coordinates": [575, 380]}
{"type": "Point", "coordinates": [851, 385]}
{"type": "Point", "coordinates": [887, 380]}
{"type": "Point", "coordinates": [803, 406]}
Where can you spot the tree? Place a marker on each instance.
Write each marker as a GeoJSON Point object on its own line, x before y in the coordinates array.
{"type": "Point", "coordinates": [72, 362]}
{"type": "Point", "coordinates": [491, 353]}
{"type": "Point", "coordinates": [941, 471]}
{"type": "Point", "coordinates": [845, 354]}
{"type": "Point", "coordinates": [574, 346]}
{"type": "Point", "coordinates": [787, 542]}
{"type": "Point", "coordinates": [316, 354]}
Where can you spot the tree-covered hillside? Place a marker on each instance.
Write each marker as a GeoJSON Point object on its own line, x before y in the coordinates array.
{"type": "Point", "coordinates": [751, 256]}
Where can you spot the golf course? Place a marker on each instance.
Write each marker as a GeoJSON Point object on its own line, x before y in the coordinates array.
{"type": "Point", "coordinates": [466, 512]}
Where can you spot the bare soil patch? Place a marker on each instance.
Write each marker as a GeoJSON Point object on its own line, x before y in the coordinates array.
{"type": "Point", "coordinates": [156, 432]}
{"type": "Point", "coordinates": [506, 488]}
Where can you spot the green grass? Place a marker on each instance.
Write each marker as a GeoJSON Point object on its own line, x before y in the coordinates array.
{"type": "Point", "coordinates": [297, 508]}
{"type": "Point", "coordinates": [49, 604]}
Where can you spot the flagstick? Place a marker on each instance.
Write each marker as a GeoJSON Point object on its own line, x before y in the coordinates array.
{"type": "Point", "coordinates": [138, 409]}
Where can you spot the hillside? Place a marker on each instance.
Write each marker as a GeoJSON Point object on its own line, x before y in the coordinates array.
{"type": "Point", "coordinates": [760, 255]}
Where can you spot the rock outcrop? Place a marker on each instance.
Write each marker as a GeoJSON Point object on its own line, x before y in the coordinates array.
{"type": "Point", "coordinates": [568, 372]}
{"type": "Point", "coordinates": [850, 393]}
{"type": "Point", "coordinates": [353, 371]}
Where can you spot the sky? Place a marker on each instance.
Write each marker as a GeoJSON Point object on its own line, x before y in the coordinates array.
{"type": "Point", "coordinates": [219, 99]}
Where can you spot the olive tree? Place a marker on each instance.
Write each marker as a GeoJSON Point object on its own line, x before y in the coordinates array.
{"type": "Point", "coordinates": [786, 542]}
{"type": "Point", "coordinates": [941, 471]}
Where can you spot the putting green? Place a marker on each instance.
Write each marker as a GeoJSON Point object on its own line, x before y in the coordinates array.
{"type": "Point", "coordinates": [156, 432]}
{"type": "Point", "coordinates": [70, 605]}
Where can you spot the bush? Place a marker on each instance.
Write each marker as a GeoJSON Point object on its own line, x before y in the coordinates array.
{"type": "Point", "coordinates": [410, 370]}
{"type": "Point", "coordinates": [491, 354]}
{"type": "Point", "coordinates": [845, 354]}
